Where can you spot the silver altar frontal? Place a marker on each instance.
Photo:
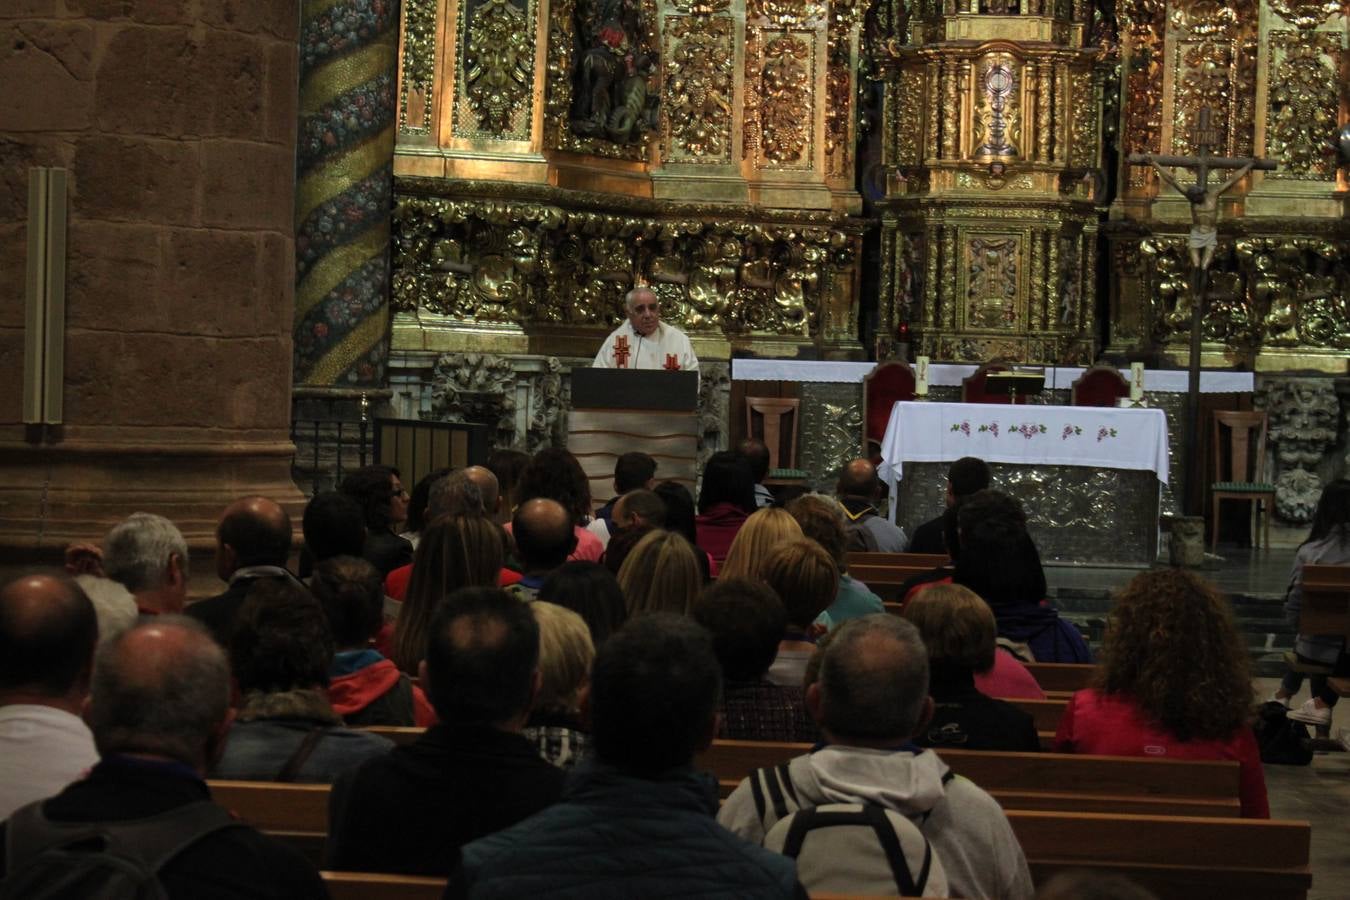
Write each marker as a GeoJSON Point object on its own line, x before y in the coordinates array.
{"type": "Point", "coordinates": [1089, 477]}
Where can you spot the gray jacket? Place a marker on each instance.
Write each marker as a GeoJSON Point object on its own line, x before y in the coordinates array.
{"type": "Point", "coordinates": [966, 827]}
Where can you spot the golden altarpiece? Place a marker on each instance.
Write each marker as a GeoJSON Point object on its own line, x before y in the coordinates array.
{"type": "Point", "coordinates": [734, 155]}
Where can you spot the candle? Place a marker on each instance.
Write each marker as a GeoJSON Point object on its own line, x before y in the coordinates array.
{"type": "Point", "coordinates": [1136, 381]}
{"type": "Point", "coordinates": [921, 376]}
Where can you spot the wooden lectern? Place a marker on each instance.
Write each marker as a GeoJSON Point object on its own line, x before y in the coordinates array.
{"type": "Point", "coordinates": [617, 411]}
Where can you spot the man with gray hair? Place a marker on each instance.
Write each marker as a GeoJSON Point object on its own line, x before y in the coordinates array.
{"type": "Point", "coordinates": [147, 554]}
{"type": "Point", "coordinates": [158, 710]}
{"type": "Point", "coordinates": [870, 698]}
{"type": "Point", "coordinates": [644, 341]}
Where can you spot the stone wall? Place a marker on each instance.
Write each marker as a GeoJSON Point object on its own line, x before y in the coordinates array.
{"type": "Point", "coordinates": [176, 120]}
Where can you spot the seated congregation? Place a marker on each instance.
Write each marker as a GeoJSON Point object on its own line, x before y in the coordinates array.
{"type": "Point", "coordinates": [510, 687]}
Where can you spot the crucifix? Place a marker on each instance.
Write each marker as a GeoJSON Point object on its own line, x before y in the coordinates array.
{"type": "Point", "coordinates": [1204, 238]}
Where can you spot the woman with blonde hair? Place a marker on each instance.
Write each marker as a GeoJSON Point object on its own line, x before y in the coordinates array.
{"type": "Point", "coordinates": [454, 552]}
{"type": "Point", "coordinates": [1173, 680]}
{"type": "Point", "coordinates": [661, 574]}
{"type": "Point", "coordinates": [765, 530]}
{"type": "Point", "coordinates": [804, 576]}
{"type": "Point", "coordinates": [959, 630]}
{"type": "Point", "coordinates": [565, 657]}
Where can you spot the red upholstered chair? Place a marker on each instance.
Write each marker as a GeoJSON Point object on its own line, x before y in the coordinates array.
{"type": "Point", "coordinates": [883, 387]}
{"type": "Point", "coordinates": [974, 389]}
{"type": "Point", "coordinates": [1099, 386]}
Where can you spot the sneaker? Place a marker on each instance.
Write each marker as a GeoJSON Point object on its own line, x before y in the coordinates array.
{"type": "Point", "coordinates": [1309, 714]}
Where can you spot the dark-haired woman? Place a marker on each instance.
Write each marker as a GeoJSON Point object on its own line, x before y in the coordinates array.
{"type": "Point", "coordinates": [1173, 681]}
{"type": "Point", "coordinates": [384, 503]}
{"type": "Point", "coordinates": [725, 501]}
{"type": "Point", "coordinates": [1328, 544]}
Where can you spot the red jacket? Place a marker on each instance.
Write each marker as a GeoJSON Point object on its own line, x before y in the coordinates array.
{"type": "Point", "coordinates": [351, 693]}
{"type": "Point", "coordinates": [1111, 725]}
{"type": "Point", "coordinates": [396, 582]}
{"type": "Point", "coordinates": [717, 528]}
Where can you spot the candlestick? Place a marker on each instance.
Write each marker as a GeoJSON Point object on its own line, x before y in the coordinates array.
{"type": "Point", "coordinates": [921, 376]}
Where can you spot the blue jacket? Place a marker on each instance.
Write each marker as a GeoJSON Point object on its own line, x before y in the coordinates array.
{"type": "Point", "coordinates": [617, 835]}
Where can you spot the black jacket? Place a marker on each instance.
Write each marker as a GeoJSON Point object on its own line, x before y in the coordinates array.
{"type": "Point", "coordinates": [410, 810]}
{"type": "Point", "coordinates": [228, 864]}
{"type": "Point", "coordinates": [965, 719]}
{"type": "Point", "coordinates": [930, 537]}
{"type": "Point", "coordinates": [219, 613]}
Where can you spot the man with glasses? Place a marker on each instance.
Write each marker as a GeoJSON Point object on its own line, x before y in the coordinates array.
{"type": "Point", "coordinates": [644, 342]}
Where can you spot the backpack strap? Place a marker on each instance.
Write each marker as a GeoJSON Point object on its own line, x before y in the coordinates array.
{"type": "Point", "coordinates": [291, 768]}
{"type": "Point", "coordinates": [153, 840]}
{"type": "Point", "coordinates": [874, 817]}
{"type": "Point", "coordinates": [772, 787]}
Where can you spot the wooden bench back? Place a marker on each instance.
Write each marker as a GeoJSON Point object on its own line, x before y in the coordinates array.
{"type": "Point", "coordinates": [1061, 677]}
{"type": "Point", "coordinates": [1040, 781]}
{"type": "Point", "coordinates": [1326, 600]}
{"type": "Point", "coordinates": [374, 886]}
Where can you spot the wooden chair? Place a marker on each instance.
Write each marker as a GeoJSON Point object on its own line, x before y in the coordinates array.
{"type": "Point", "coordinates": [764, 419]}
{"type": "Point", "coordinates": [1099, 386]}
{"type": "Point", "coordinates": [974, 388]}
{"type": "Point", "coordinates": [1239, 471]}
{"type": "Point", "coordinates": [883, 387]}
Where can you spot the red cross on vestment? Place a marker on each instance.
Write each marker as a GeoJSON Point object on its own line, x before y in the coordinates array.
{"type": "Point", "coordinates": [621, 351]}
{"type": "Point", "coordinates": [672, 363]}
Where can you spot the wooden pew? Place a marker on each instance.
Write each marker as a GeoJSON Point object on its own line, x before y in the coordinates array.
{"type": "Point", "coordinates": [1326, 609]}
{"type": "Point", "coordinates": [884, 573]}
{"type": "Point", "coordinates": [398, 735]}
{"type": "Point", "coordinates": [294, 813]}
{"type": "Point", "coordinates": [1041, 781]}
{"type": "Point", "coordinates": [1182, 857]}
{"type": "Point", "coordinates": [1061, 678]}
{"type": "Point", "coordinates": [375, 886]}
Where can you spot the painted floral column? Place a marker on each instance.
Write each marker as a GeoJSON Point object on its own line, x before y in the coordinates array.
{"type": "Point", "coordinates": [344, 189]}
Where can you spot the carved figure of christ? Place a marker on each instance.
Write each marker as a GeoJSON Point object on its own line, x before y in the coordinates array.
{"type": "Point", "coordinates": [1203, 197]}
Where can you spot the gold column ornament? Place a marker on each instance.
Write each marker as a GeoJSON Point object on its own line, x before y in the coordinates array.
{"type": "Point", "coordinates": [1006, 189]}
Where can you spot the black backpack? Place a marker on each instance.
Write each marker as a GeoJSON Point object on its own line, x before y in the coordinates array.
{"type": "Point", "coordinates": [49, 860]}
{"type": "Point", "coordinates": [1281, 740]}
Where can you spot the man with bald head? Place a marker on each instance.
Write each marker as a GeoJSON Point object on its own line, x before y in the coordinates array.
{"type": "Point", "coordinates": [544, 539]}
{"type": "Point", "coordinates": [858, 490]}
{"type": "Point", "coordinates": [644, 341]}
{"type": "Point", "coordinates": [158, 710]}
{"type": "Point", "coordinates": [488, 488]}
{"type": "Point", "coordinates": [48, 629]}
{"type": "Point", "coordinates": [253, 540]}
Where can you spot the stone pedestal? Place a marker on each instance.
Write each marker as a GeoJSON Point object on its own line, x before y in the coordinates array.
{"type": "Point", "coordinates": [176, 123]}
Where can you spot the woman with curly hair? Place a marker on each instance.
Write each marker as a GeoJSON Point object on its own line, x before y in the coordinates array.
{"type": "Point", "coordinates": [1173, 681]}
{"type": "Point", "coordinates": [555, 474]}
{"type": "Point", "coordinates": [761, 533]}
{"type": "Point", "coordinates": [1328, 544]}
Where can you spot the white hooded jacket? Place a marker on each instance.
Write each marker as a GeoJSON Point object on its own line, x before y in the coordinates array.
{"type": "Point", "coordinates": [965, 826]}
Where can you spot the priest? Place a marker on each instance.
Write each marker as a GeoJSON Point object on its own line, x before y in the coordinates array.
{"type": "Point", "coordinates": [644, 341]}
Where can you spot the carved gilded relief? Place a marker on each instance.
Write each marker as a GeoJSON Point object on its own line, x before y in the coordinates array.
{"type": "Point", "coordinates": [1306, 13]}
{"type": "Point", "coordinates": [1303, 103]}
{"type": "Point", "coordinates": [488, 261]}
{"type": "Point", "coordinates": [1143, 115]}
{"type": "Point", "coordinates": [698, 104]}
{"type": "Point", "coordinates": [1214, 66]}
{"type": "Point", "coordinates": [498, 69]}
{"type": "Point", "coordinates": [419, 66]}
{"type": "Point", "coordinates": [785, 113]}
{"type": "Point", "coordinates": [992, 271]}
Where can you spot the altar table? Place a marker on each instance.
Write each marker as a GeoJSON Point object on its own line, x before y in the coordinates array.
{"type": "Point", "coordinates": [1089, 477]}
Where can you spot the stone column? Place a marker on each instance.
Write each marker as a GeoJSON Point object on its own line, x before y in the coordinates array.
{"type": "Point", "coordinates": [177, 124]}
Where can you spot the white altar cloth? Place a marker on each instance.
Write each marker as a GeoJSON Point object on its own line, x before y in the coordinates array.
{"type": "Point", "coordinates": [1167, 381]}
{"type": "Point", "coordinates": [1102, 437]}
